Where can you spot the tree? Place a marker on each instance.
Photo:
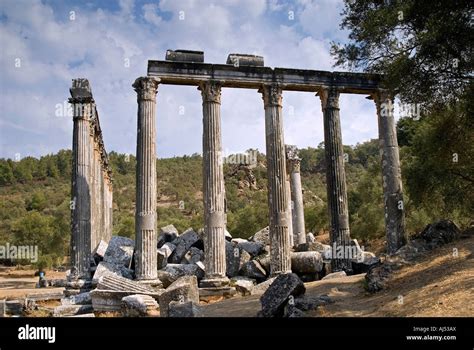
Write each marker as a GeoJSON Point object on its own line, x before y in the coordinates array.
{"type": "Point", "coordinates": [6, 173]}
{"type": "Point", "coordinates": [424, 48]}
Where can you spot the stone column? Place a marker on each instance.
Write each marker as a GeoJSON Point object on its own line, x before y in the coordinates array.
{"type": "Point", "coordinates": [280, 260]}
{"type": "Point", "coordinates": [213, 187]}
{"type": "Point", "coordinates": [145, 212]}
{"type": "Point", "coordinates": [336, 180]}
{"type": "Point", "coordinates": [391, 173]}
{"type": "Point", "coordinates": [293, 163]}
{"type": "Point", "coordinates": [82, 149]}
{"type": "Point", "coordinates": [289, 211]}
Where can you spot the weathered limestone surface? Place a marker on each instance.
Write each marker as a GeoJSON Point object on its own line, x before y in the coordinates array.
{"type": "Point", "coordinates": [145, 212]}
{"type": "Point", "coordinates": [172, 272]}
{"type": "Point", "coordinates": [306, 262]}
{"type": "Point", "coordinates": [117, 283]}
{"type": "Point", "coordinates": [184, 242]}
{"type": "Point", "coordinates": [111, 300]}
{"type": "Point", "coordinates": [91, 202]}
{"type": "Point", "coordinates": [391, 173]}
{"type": "Point", "coordinates": [138, 305]}
{"type": "Point", "coordinates": [213, 188]}
{"type": "Point", "coordinates": [186, 309]}
{"type": "Point", "coordinates": [185, 289]}
{"type": "Point", "coordinates": [297, 208]}
{"type": "Point", "coordinates": [335, 175]}
{"type": "Point", "coordinates": [277, 185]}
{"type": "Point", "coordinates": [120, 251]}
{"type": "Point", "coordinates": [276, 296]}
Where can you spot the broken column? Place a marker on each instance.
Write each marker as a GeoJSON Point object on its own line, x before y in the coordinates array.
{"type": "Point", "coordinates": [213, 187]}
{"type": "Point", "coordinates": [82, 149]}
{"type": "Point", "coordinates": [145, 211]}
{"type": "Point", "coordinates": [391, 172]}
{"type": "Point", "coordinates": [277, 185]}
{"type": "Point", "coordinates": [336, 178]}
{"type": "Point", "coordinates": [297, 208]}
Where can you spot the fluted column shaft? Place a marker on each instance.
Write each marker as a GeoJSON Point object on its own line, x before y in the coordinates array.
{"type": "Point", "coordinates": [336, 180]}
{"type": "Point", "coordinates": [213, 187]}
{"type": "Point", "coordinates": [145, 212]}
{"type": "Point", "coordinates": [391, 173]}
{"type": "Point", "coordinates": [280, 261]}
{"type": "Point", "coordinates": [299, 233]}
{"type": "Point", "coordinates": [81, 187]}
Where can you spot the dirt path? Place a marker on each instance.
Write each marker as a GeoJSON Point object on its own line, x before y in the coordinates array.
{"type": "Point", "coordinates": [437, 285]}
{"type": "Point", "coordinates": [15, 283]}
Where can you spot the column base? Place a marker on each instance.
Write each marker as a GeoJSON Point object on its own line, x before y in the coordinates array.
{"type": "Point", "coordinates": [214, 282]}
{"type": "Point", "coordinates": [154, 283]}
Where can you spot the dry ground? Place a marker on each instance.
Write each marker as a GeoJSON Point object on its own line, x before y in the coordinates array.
{"type": "Point", "coordinates": [439, 284]}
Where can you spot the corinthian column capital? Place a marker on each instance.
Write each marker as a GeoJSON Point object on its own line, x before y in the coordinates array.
{"type": "Point", "coordinates": [211, 91]}
{"type": "Point", "coordinates": [329, 96]}
{"type": "Point", "coordinates": [146, 88]}
{"type": "Point", "coordinates": [272, 95]}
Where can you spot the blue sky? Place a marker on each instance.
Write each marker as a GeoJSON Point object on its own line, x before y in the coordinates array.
{"type": "Point", "coordinates": [45, 44]}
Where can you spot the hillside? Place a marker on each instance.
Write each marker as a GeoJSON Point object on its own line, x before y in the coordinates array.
{"type": "Point", "coordinates": [35, 195]}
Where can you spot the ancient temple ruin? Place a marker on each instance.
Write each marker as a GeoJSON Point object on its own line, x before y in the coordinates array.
{"type": "Point", "coordinates": [92, 188]}
{"type": "Point", "coordinates": [91, 202]}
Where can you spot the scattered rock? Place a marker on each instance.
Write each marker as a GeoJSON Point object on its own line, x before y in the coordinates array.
{"type": "Point", "coordinates": [99, 251]}
{"type": "Point", "coordinates": [111, 300]}
{"type": "Point", "coordinates": [183, 243]}
{"type": "Point", "coordinates": [306, 262]}
{"type": "Point", "coordinates": [253, 248]}
{"type": "Point", "coordinates": [120, 251]}
{"type": "Point", "coordinates": [253, 269]}
{"type": "Point", "coordinates": [117, 283]}
{"type": "Point", "coordinates": [192, 256]}
{"type": "Point", "coordinates": [167, 234]}
{"type": "Point", "coordinates": [164, 253]}
{"type": "Point", "coordinates": [264, 260]}
{"type": "Point", "coordinates": [441, 232]}
{"type": "Point", "coordinates": [70, 310]}
{"type": "Point", "coordinates": [306, 302]}
{"type": "Point", "coordinates": [137, 305]}
{"type": "Point", "coordinates": [291, 311]}
{"type": "Point", "coordinates": [243, 285]}
{"type": "Point", "coordinates": [79, 299]}
{"type": "Point", "coordinates": [275, 298]}
{"type": "Point", "coordinates": [228, 236]}
{"type": "Point", "coordinates": [376, 277]}
{"type": "Point", "coordinates": [235, 259]}
{"type": "Point", "coordinates": [172, 272]}
{"type": "Point", "coordinates": [262, 287]}
{"type": "Point", "coordinates": [186, 309]}
{"type": "Point", "coordinates": [106, 268]}
{"type": "Point", "coordinates": [58, 283]}
{"type": "Point", "coordinates": [332, 275]}
{"type": "Point", "coordinates": [310, 238]}
{"type": "Point", "coordinates": [185, 289]}
{"type": "Point", "coordinates": [262, 236]}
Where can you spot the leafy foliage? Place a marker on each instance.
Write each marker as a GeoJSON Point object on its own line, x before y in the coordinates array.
{"type": "Point", "coordinates": [424, 48]}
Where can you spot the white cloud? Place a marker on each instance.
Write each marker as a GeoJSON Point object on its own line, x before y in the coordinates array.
{"type": "Point", "coordinates": [111, 49]}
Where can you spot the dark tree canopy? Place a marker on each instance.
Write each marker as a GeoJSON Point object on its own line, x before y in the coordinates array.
{"type": "Point", "coordinates": [424, 48]}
